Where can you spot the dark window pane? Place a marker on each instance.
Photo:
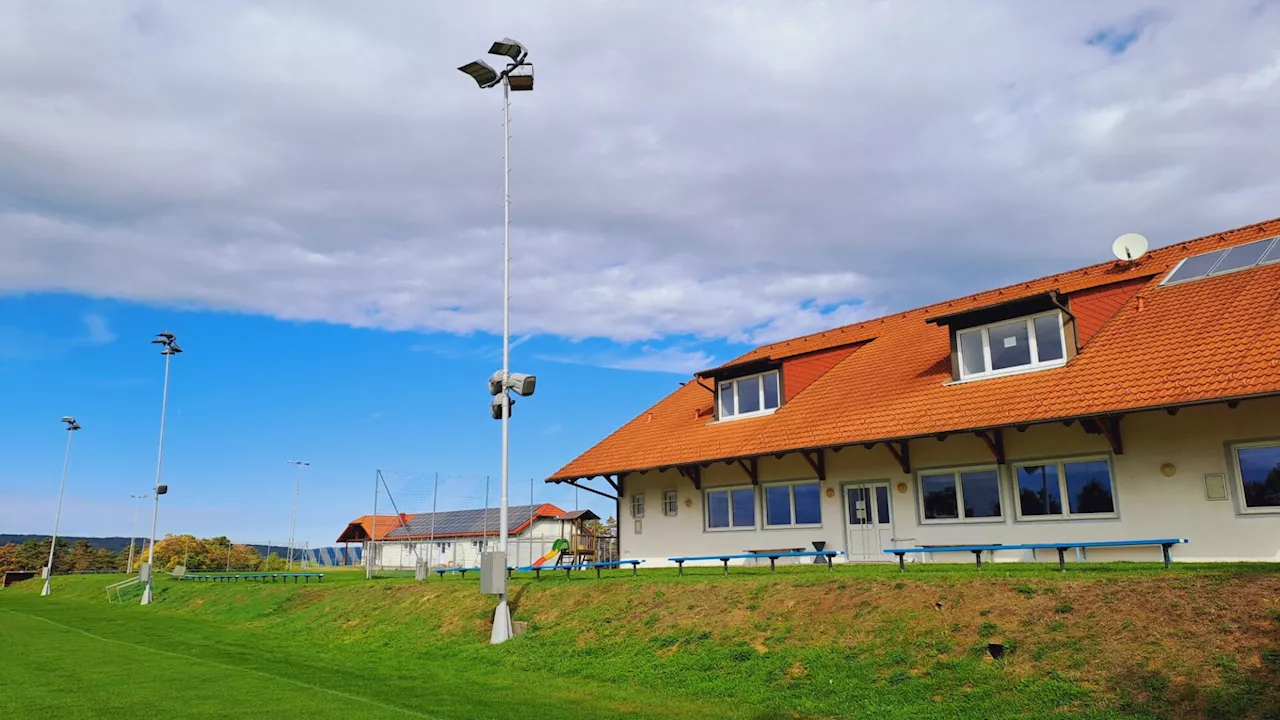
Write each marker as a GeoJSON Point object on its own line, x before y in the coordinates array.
{"type": "Point", "coordinates": [726, 399]}
{"type": "Point", "coordinates": [1048, 338]}
{"type": "Point", "coordinates": [1260, 474]}
{"type": "Point", "coordinates": [771, 391]}
{"type": "Point", "coordinates": [748, 395]}
{"type": "Point", "coordinates": [1009, 346]}
{"type": "Point", "coordinates": [1038, 491]}
{"type": "Point", "coordinates": [808, 504]}
{"type": "Point", "coordinates": [859, 501]}
{"type": "Point", "coordinates": [1089, 487]}
{"type": "Point", "coordinates": [882, 505]}
{"type": "Point", "coordinates": [744, 507]}
{"type": "Point", "coordinates": [971, 359]}
{"type": "Point", "coordinates": [718, 509]}
{"type": "Point", "coordinates": [939, 496]}
{"type": "Point", "coordinates": [777, 505]}
{"type": "Point", "coordinates": [1194, 267]}
{"type": "Point", "coordinates": [1242, 256]}
{"type": "Point", "coordinates": [981, 494]}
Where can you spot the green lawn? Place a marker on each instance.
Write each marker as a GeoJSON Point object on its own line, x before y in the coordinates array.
{"type": "Point", "coordinates": [1101, 641]}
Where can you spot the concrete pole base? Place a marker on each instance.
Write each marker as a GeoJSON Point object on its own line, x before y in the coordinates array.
{"type": "Point", "coordinates": [146, 595]}
{"type": "Point", "coordinates": [501, 624]}
{"type": "Point", "coordinates": [46, 589]}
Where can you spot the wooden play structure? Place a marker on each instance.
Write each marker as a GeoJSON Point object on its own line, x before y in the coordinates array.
{"type": "Point", "coordinates": [585, 545]}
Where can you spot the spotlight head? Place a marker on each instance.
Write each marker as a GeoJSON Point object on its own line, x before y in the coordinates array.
{"type": "Point", "coordinates": [509, 48]}
{"type": "Point", "coordinates": [480, 71]}
{"type": "Point", "coordinates": [495, 406]}
{"type": "Point", "coordinates": [523, 384]}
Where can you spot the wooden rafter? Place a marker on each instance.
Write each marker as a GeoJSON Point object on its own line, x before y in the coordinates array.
{"type": "Point", "coordinates": [1109, 426]}
{"type": "Point", "coordinates": [694, 473]}
{"type": "Point", "coordinates": [612, 482]}
{"type": "Point", "coordinates": [751, 466]}
{"type": "Point", "coordinates": [591, 489]}
{"type": "Point", "coordinates": [901, 451]}
{"type": "Point", "coordinates": [817, 461]}
{"type": "Point", "coordinates": [994, 440]}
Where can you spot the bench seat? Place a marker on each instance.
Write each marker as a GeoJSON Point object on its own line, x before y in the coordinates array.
{"type": "Point", "coordinates": [773, 557]}
{"type": "Point", "coordinates": [977, 550]}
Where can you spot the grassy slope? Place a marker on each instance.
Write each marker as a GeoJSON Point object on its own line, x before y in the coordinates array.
{"type": "Point", "coordinates": [1099, 641]}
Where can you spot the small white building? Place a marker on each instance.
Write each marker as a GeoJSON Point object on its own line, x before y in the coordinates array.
{"type": "Point", "coordinates": [454, 538]}
{"type": "Point", "coordinates": [1128, 400]}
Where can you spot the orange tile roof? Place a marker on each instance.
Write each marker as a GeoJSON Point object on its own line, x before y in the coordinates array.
{"type": "Point", "coordinates": [1205, 340]}
{"type": "Point", "coordinates": [384, 525]}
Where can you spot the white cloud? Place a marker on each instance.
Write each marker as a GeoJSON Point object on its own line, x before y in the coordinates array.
{"type": "Point", "coordinates": [645, 358]}
{"type": "Point", "coordinates": [318, 161]}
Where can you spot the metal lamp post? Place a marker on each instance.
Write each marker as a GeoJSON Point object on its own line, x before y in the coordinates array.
{"type": "Point", "coordinates": [72, 426]}
{"type": "Point", "coordinates": [518, 75]}
{"type": "Point", "coordinates": [297, 487]}
{"type": "Point", "coordinates": [133, 530]}
{"type": "Point", "coordinates": [168, 348]}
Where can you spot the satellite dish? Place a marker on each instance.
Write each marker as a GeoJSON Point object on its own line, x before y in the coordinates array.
{"type": "Point", "coordinates": [1129, 247]}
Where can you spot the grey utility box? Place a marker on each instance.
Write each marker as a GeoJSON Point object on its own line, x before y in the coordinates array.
{"type": "Point", "coordinates": [493, 573]}
{"type": "Point", "coordinates": [144, 572]}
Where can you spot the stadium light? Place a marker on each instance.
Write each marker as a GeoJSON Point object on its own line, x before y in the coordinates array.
{"type": "Point", "coordinates": [168, 348]}
{"type": "Point", "coordinates": [72, 426]}
{"type": "Point", "coordinates": [297, 487]}
{"type": "Point", "coordinates": [518, 75]}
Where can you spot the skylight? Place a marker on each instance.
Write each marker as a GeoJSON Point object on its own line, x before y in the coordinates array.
{"type": "Point", "coordinates": [1219, 262]}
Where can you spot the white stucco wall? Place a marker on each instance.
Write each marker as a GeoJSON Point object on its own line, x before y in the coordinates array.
{"type": "Point", "coordinates": [1149, 504]}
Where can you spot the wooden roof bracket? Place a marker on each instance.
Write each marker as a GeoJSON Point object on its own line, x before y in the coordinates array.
{"type": "Point", "coordinates": [1109, 426]}
{"type": "Point", "coordinates": [994, 440]}
{"type": "Point", "coordinates": [817, 461]}
{"type": "Point", "coordinates": [901, 451]}
{"type": "Point", "coordinates": [591, 489]}
{"type": "Point", "coordinates": [751, 466]}
{"type": "Point", "coordinates": [612, 481]}
{"type": "Point", "coordinates": [694, 473]}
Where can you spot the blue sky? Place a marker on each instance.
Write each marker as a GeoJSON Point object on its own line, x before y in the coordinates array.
{"type": "Point", "coordinates": [309, 195]}
{"type": "Point", "coordinates": [251, 392]}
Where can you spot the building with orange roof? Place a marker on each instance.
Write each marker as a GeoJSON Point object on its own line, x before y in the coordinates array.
{"type": "Point", "coordinates": [453, 538]}
{"type": "Point", "coordinates": [1127, 400]}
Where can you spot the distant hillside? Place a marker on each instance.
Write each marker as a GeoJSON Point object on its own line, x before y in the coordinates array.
{"type": "Point", "coordinates": [114, 544]}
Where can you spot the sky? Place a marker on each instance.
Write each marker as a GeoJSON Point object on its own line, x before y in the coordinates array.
{"type": "Point", "coordinates": [309, 195]}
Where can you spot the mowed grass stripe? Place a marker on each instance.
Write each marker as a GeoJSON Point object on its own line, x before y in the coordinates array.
{"type": "Point", "coordinates": [211, 691]}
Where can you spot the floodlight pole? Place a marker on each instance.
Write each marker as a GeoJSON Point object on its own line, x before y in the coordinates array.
{"type": "Point", "coordinates": [170, 349]}
{"type": "Point", "coordinates": [57, 516]}
{"type": "Point", "coordinates": [133, 530]}
{"type": "Point", "coordinates": [297, 488]}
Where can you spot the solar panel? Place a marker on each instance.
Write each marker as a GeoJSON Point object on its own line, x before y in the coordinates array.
{"type": "Point", "coordinates": [1219, 262]}
{"type": "Point", "coordinates": [461, 522]}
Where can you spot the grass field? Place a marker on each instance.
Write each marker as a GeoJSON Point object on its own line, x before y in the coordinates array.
{"type": "Point", "coordinates": [1101, 641]}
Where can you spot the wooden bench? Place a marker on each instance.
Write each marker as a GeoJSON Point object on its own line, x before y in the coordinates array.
{"type": "Point", "coordinates": [977, 550]}
{"type": "Point", "coordinates": [568, 569]}
{"type": "Point", "coordinates": [771, 555]}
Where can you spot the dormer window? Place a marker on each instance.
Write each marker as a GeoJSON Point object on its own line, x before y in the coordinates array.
{"type": "Point", "coordinates": [1007, 347]}
{"type": "Point", "coordinates": [749, 395]}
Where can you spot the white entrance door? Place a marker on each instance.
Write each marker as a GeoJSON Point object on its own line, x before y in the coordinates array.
{"type": "Point", "coordinates": [869, 522]}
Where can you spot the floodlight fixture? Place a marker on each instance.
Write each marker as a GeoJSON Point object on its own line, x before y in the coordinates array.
{"type": "Point", "coordinates": [482, 72]}
{"type": "Point", "coordinates": [509, 48]}
{"type": "Point", "coordinates": [495, 407]}
{"type": "Point", "coordinates": [495, 383]}
{"type": "Point", "coordinates": [71, 423]}
{"type": "Point", "coordinates": [522, 384]}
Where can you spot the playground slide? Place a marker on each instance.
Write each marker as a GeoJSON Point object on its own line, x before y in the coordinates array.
{"type": "Point", "coordinates": [557, 547]}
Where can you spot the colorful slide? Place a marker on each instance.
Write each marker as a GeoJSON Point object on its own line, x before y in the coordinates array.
{"type": "Point", "coordinates": [557, 547]}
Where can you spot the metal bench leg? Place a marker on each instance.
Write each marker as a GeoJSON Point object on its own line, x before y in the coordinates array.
{"type": "Point", "coordinates": [977, 556]}
{"type": "Point", "coordinates": [828, 562]}
{"type": "Point", "coordinates": [508, 573]}
{"type": "Point", "coordinates": [1168, 559]}
{"type": "Point", "coordinates": [566, 573]}
{"type": "Point", "coordinates": [1062, 559]}
{"type": "Point", "coordinates": [634, 567]}
{"type": "Point", "coordinates": [726, 565]}
{"type": "Point", "coordinates": [680, 567]}
{"type": "Point", "coordinates": [537, 573]}
{"type": "Point", "coordinates": [771, 562]}
{"type": "Point", "coordinates": [902, 561]}
{"type": "Point", "coordinates": [463, 573]}
{"type": "Point", "coordinates": [597, 573]}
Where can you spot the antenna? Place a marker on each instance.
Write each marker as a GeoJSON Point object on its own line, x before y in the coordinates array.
{"type": "Point", "coordinates": [1129, 247]}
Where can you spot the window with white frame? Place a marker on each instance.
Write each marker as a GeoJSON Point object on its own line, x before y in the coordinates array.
{"type": "Point", "coordinates": [1012, 346]}
{"type": "Point", "coordinates": [1257, 467]}
{"type": "Point", "coordinates": [670, 502]}
{"type": "Point", "coordinates": [750, 395]}
{"type": "Point", "coordinates": [1063, 489]}
{"type": "Point", "coordinates": [637, 505]}
{"type": "Point", "coordinates": [731, 508]}
{"type": "Point", "coordinates": [944, 494]}
{"type": "Point", "coordinates": [793, 504]}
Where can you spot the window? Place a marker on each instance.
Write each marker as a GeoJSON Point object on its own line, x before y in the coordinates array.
{"type": "Point", "coordinates": [637, 505]}
{"type": "Point", "coordinates": [797, 503]}
{"type": "Point", "coordinates": [750, 395]}
{"type": "Point", "coordinates": [731, 508]}
{"type": "Point", "coordinates": [670, 502]}
{"type": "Point", "coordinates": [1218, 262]}
{"type": "Point", "coordinates": [1258, 475]}
{"type": "Point", "coordinates": [1007, 347]}
{"type": "Point", "coordinates": [1065, 489]}
{"type": "Point", "coordinates": [943, 493]}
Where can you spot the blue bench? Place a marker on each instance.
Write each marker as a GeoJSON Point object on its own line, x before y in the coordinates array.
{"type": "Point", "coordinates": [537, 569]}
{"type": "Point", "coordinates": [461, 571]}
{"type": "Point", "coordinates": [977, 550]}
{"type": "Point", "coordinates": [773, 558]}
